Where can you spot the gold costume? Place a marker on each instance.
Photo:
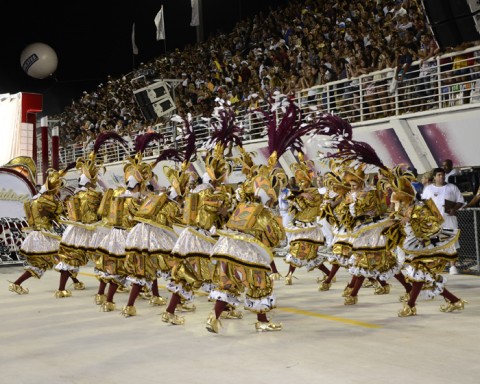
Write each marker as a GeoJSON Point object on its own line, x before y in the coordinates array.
{"type": "Point", "coordinates": [192, 249]}
{"type": "Point", "coordinates": [150, 241]}
{"type": "Point", "coordinates": [120, 218]}
{"type": "Point", "coordinates": [40, 246]}
{"type": "Point", "coordinates": [244, 254]}
{"type": "Point", "coordinates": [82, 211]}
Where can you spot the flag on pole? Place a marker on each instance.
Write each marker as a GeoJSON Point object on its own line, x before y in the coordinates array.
{"type": "Point", "coordinates": [195, 14]}
{"type": "Point", "coordinates": [160, 25]}
{"type": "Point", "coordinates": [134, 45]}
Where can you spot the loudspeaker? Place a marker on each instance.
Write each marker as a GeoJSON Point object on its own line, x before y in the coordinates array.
{"type": "Point", "coordinates": [160, 108]}
{"type": "Point", "coordinates": [447, 34]}
{"type": "Point", "coordinates": [154, 101]}
{"type": "Point", "coordinates": [151, 94]}
{"type": "Point", "coordinates": [437, 11]}
{"type": "Point", "coordinates": [460, 8]}
{"type": "Point", "coordinates": [454, 32]}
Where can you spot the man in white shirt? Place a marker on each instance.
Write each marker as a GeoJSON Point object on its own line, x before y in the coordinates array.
{"type": "Point", "coordinates": [448, 199]}
{"type": "Point", "coordinates": [447, 165]}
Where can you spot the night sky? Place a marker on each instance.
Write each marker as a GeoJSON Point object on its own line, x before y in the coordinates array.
{"type": "Point", "coordinates": [92, 39]}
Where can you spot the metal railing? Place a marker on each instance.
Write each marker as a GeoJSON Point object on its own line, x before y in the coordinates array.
{"type": "Point", "coordinates": [368, 98]}
{"type": "Point", "coordinates": [469, 241]}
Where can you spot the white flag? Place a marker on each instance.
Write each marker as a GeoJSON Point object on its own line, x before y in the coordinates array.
{"type": "Point", "coordinates": [134, 45]}
{"type": "Point", "coordinates": [160, 25]}
{"type": "Point", "coordinates": [195, 14]}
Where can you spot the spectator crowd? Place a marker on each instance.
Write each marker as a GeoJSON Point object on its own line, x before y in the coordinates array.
{"type": "Point", "coordinates": [289, 49]}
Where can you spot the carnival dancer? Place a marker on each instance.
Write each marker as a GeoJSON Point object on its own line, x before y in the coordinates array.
{"type": "Point", "coordinates": [427, 247]}
{"type": "Point", "coordinates": [243, 254]}
{"type": "Point", "coordinates": [373, 244]}
{"type": "Point", "coordinates": [149, 243]}
{"type": "Point", "coordinates": [205, 209]}
{"type": "Point", "coordinates": [40, 246]}
{"type": "Point", "coordinates": [245, 192]}
{"type": "Point", "coordinates": [82, 212]}
{"type": "Point", "coordinates": [333, 210]}
{"type": "Point", "coordinates": [304, 233]}
{"type": "Point", "coordinates": [243, 259]}
{"type": "Point", "coordinates": [119, 207]}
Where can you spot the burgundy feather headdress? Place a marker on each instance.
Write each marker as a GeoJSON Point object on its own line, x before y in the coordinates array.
{"type": "Point", "coordinates": [224, 126]}
{"type": "Point", "coordinates": [90, 166]}
{"type": "Point", "coordinates": [286, 134]}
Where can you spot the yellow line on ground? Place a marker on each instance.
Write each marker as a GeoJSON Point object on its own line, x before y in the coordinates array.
{"type": "Point", "coordinates": [328, 317]}
{"type": "Point", "coordinates": [297, 311]}
{"type": "Point", "coordinates": [87, 274]}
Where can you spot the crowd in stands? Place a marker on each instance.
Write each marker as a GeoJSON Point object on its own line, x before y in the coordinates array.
{"type": "Point", "coordinates": [288, 49]}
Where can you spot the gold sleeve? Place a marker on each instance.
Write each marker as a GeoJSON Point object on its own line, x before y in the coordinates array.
{"type": "Point", "coordinates": [268, 229]}
{"type": "Point", "coordinates": [308, 205]}
{"type": "Point", "coordinates": [424, 223]}
{"type": "Point", "coordinates": [89, 203]}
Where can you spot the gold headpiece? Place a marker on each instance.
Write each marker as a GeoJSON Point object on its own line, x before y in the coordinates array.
{"type": "Point", "coordinates": [246, 161]}
{"type": "Point", "coordinates": [138, 170]}
{"type": "Point", "coordinates": [178, 178]}
{"type": "Point", "coordinates": [55, 180]}
{"type": "Point", "coordinates": [400, 182]}
{"type": "Point", "coordinates": [355, 172]}
{"type": "Point", "coordinates": [215, 164]}
{"type": "Point", "coordinates": [263, 185]}
{"type": "Point", "coordinates": [90, 167]}
{"type": "Point", "coordinates": [303, 171]}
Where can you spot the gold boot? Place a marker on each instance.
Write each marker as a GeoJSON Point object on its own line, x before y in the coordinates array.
{"type": "Point", "coordinates": [108, 306]}
{"type": "Point", "coordinates": [79, 286]}
{"type": "Point", "coordinates": [60, 294]}
{"type": "Point", "coordinates": [129, 310]}
{"type": "Point", "coordinates": [288, 278]}
{"type": "Point", "coordinates": [275, 276]}
{"type": "Point", "coordinates": [157, 300]}
{"type": "Point", "coordinates": [170, 318]}
{"type": "Point", "coordinates": [213, 324]}
{"type": "Point", "coordinates": [322, 279]}
{"type": "Point", "coordinates": [347, 291]}
{"type": "Point", "coordinates": [370, 284]}
{"type": "Point", "coordinates": [350, 300]}
{"type": "Point", "coordinates": [12, 287]}
{"type": "Point", "coordinates": [100, 299]}
{"type": "Point", "coordinates": [267, 327]}
{"type": "Point", "coordinates": [385, 290]}
{"type": "Point", "coordinates": [186, 307]}
{"type": "Point", "coordinates": [407, 311]}
{"type": "Point", "coordinates": [404, 298]}
{"type": "Point", "coordinates": [450, 307]}
{"type": "Point", "coordinates": [324, 286]}
{"type": "Point", "coordinates": [231, 314]}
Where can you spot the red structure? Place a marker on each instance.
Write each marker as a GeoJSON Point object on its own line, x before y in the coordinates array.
{"type": "Point", "coordinates": [32, 103]}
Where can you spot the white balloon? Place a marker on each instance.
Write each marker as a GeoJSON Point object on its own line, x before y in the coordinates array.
{"type": "Point", "coordinates": [39, 60]}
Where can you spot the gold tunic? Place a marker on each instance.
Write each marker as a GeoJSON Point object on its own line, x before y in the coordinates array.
{"type": "Point", "coordinates": [40, 247]}
{"type": "Point", "coordinates": [244, 256]}
{"type": "Point", "coordinates": [82, 209]}
{"type": "Point", "coordinates": [150, 242]}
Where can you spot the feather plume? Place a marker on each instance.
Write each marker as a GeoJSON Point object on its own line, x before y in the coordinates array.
{"type": "Point", "coordinates": [351, 150]}
{"type": "Point", "coordinates": [169, 154]}
{"type": "Point", "coordinates": [189, 137]}
{"type": "Point", "coordinates": [142, 141]}
{"type": "Point", "coordinates": [224, 126]}
{"type": "Point", "coordinates": [70, 166]}
{"type": "Point", "coordinates": [334, 126]}
{"type": "Point", "coordinates": [105, 136]}
{"type": "Point", "coordinates": [288, 132]}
